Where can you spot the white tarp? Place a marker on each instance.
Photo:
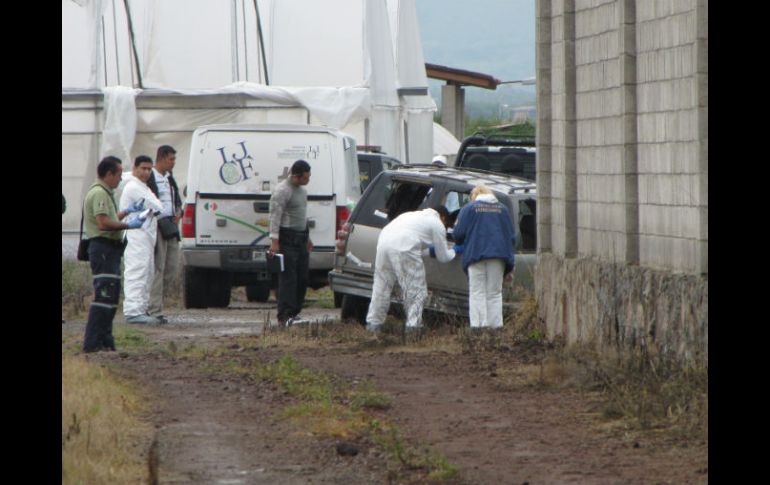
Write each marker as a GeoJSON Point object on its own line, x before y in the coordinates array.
{"type": "Point", "coordinates": [445, 143]}
{"type": "Point", "coordinates": [339, 63]}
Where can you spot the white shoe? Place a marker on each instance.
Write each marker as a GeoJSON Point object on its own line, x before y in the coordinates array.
{"type": "Point", "coordinates": [142, 319]}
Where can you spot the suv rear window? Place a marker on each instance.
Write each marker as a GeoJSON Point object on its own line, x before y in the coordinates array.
{"type": "Point", "coordinates": [518, 161]}
{"type": "Point", "coordinates": [389, 199]}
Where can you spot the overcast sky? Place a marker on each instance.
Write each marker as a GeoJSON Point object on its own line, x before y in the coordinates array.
{"type": "Point", "coordinates": [495, 37]}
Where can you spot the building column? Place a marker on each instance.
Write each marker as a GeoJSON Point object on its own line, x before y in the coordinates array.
{"type": "Point", "coordinates": [543, 131]}
{"type": "Point", "coordinates": [453, 109]}
{"type": "Point", "coordinates": [627, 21]}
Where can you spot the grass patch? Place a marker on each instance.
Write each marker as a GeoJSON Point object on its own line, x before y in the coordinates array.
{"type": "Point", "coordinates": [324, 296]}
{"type": "Point", "coordinates": [130, 338]}
{"type": "Point", "coordinates": [76, 288]}
{"type": "Point", "coordinates": [102, 434]}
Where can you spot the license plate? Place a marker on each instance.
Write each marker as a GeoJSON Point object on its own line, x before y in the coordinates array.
{"type": "Point", "coordinates": [258, 255]}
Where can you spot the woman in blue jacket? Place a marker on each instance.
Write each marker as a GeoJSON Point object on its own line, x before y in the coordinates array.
{"type": "Point", "coordinates": [486, 238]}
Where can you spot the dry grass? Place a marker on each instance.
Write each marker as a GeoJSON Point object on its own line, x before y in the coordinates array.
{"type": "Point", "coordinates": [642, 390]}
{"type": "Point", "coordinates": [103, 439]}
{"type": "Point", "coordinates": [76, 288]}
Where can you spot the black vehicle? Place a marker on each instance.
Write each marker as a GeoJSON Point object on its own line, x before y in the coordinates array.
{"type": "Point", "coordinates": [371, 161]}
{"type": "Point", "coordinates": [499, 153]}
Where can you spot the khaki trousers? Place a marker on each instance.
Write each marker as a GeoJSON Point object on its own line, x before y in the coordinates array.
{"type": "Point", "coordinates": [166, 270]}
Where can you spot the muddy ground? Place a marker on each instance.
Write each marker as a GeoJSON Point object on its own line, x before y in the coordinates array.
{"type": "Point", "coordinates": [220, 429]}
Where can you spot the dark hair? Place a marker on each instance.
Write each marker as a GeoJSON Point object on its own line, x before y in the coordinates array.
{"type": "Point", "coordinates": [442, 211]}
{"type": "Point", "coordinates": [300, 167]}
{"type": "Point", "coordinates": [109, 164]}
{"type": "Point", "coordinates": [164, 151]}
{"type": "Point", "coordinates": [142, 159]}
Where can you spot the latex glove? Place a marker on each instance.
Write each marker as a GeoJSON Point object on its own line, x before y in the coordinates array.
{"type": "Point", "coordinates": [432, 251]}
{"type": "Point", "coordinates": [135, 222]}
{"type": "Point", "coordinates": [459, 248]}
{"type": "Point", "coordinates": [137, 206]}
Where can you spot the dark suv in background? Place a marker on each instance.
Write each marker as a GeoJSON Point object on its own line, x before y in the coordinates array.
{"type": "Point", "coordinates": [372, 161]}
{"type": "Point", "coordinates": [498, 153]}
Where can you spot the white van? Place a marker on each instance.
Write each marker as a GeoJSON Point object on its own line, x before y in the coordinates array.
{"type": "Point", "coordinates": [232, 172]}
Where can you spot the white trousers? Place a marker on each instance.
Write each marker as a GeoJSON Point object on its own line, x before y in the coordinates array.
{"type": "Point", "coordinates": [138, 272]}
{"type": "Point", "coordinates": [408, 270]}
{"type": "Point", "coordinates": [485, 283]}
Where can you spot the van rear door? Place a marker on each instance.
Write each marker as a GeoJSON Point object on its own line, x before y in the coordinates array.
{"type": "Point", "coordinates": [240, 169]}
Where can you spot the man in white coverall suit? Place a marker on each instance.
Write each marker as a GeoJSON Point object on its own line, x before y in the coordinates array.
{"type": "Point", "coordinates": [139, 258]}
{"type": "Point", "coordinates": [400, 248]}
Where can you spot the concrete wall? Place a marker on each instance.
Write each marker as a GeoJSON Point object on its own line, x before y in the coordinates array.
{"type": "Point", "coordinates": [623, 169]}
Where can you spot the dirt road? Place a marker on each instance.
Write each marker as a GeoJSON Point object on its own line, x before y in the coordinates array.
{"type": "Point", "coordinates": [221, 429]}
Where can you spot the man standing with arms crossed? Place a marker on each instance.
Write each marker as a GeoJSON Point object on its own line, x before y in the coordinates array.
{"type": "Point", "coordinates": [164, 186]}
{"type": "Point", "coordinates": [104, 231]}
{"type": "Point", "coordinates": [289, 236]}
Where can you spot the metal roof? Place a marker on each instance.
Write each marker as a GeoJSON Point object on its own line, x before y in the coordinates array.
{"type": "Point", "coordinates": [461, 77]}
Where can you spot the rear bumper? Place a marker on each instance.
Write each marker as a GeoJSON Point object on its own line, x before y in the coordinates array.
{"type": "Point", "coordinates": [240, 260]}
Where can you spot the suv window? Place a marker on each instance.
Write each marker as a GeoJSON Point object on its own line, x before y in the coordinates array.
{"type": "Point", "coordinates": [497, 153]}
{"type": "Point", "coordinates": [527, 213]}
{"type": "Point", "coordinates": [389, 199]}
{"type": "Point", "coordinates": [371, 164]}
{"type": "Point", "coordinates": [364, 172]}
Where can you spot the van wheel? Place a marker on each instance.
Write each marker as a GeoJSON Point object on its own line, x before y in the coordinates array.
{"type": "Point", "coordinates": [195, 286]}
{"type": "Point", "coordinates": [354, 307]}
{"type": "Point", "coordinates": [338, 299]}
{"type": "Point", "coordinates": [259, 292]}
{"type": "Point", "coordinates": [220, 286]}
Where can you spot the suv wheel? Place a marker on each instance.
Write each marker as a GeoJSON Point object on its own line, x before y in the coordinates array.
{"type": "Point", "coordinates": [258, 292]}
{"type": "Point", "coordinates": [220, 286]}
{"type": "Point", "coordinates": [195, 288]}
{"type": "Point", "coordinates": [354, 307]}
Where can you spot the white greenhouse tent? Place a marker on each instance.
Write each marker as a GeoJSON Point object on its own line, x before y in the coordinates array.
{"type": "Point", "coordinates": [137, 74]}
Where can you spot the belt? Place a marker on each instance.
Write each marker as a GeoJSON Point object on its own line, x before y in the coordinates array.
{"type": "Point", "coordinates": [106, 240]}
{"type": "Point", "coordinates": [292, 236]}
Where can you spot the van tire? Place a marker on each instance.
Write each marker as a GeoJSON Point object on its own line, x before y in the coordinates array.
{"type": "Point", "coordinates": [195, 288]}
{"type": "Point", "coordinates": [259, 292]}
{"type": "Point", "coordinates": [220, 288]}
{"type": "Point", "coordinates": [354, 307]}
{"type": "Point", "coordinates": [338, 299]}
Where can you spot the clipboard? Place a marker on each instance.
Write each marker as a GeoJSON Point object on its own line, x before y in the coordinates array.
{"type": "Point", "coordinates": [275, 263]}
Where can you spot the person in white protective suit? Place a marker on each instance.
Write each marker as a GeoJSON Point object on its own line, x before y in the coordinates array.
{"type": "Point", "coordinates": [139, 258]}
{"type": "Point", "coordinates": [400, 248]}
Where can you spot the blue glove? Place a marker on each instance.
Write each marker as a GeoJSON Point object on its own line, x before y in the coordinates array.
{"type": "Point", "coordinates": [137, 206]}
{"type": "Point", "coordinates": [432, 250]}
{"type": "Point", "coordinates": [459, 248]}
{"type": "Point", "coordinates": [135, 222]}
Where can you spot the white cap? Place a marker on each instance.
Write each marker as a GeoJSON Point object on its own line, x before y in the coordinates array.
{"type": "Point", "coordinates": [439, 160]}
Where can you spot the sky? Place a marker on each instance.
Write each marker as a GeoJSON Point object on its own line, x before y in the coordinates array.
{"type": "Point", "coordinates": [495, 37]}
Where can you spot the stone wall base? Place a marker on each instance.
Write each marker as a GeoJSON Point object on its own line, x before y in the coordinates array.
{"type": "Point", "coordinates": [616, 305]}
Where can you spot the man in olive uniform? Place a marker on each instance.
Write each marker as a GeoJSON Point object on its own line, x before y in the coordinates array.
{"type": "Point", "coordinates": [104, 230]}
